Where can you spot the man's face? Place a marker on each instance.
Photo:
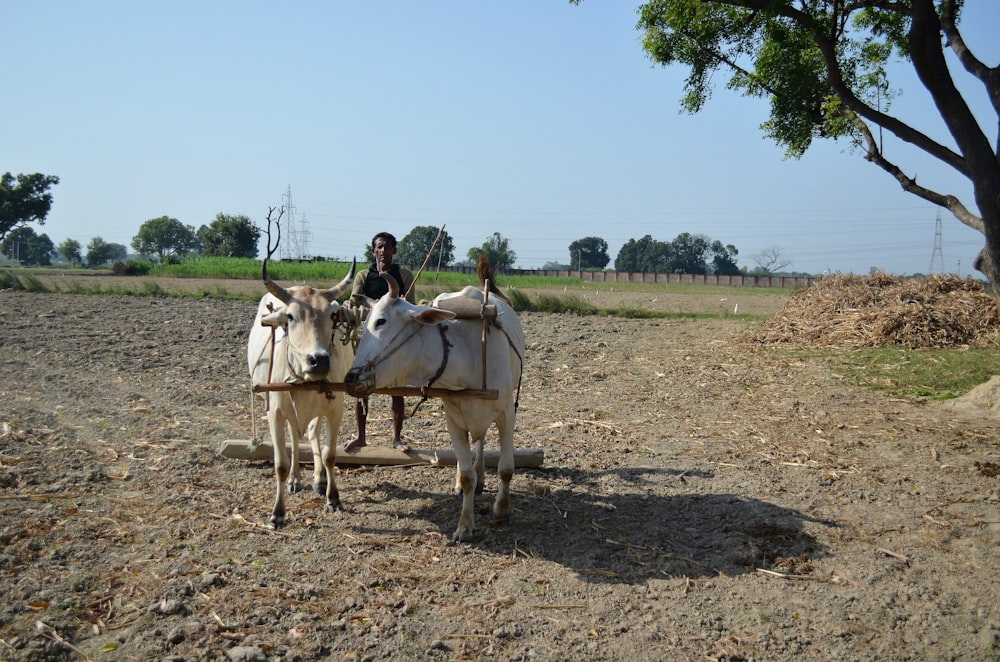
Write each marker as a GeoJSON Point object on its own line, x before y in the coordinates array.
{"type": "Point", "coordinates": [383, 251]}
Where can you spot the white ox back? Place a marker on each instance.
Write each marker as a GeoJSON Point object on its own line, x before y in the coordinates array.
{"type": "Point", "coordinates": [308, 346]}
{"type": "Point", "coordinates": [410, 345]}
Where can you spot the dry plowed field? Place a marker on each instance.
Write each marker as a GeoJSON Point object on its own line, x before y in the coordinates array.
{"type": "Point", "coordinates": [698, 499]}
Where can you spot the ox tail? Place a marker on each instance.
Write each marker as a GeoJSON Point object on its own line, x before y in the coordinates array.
{"type": "Point", "coordinates": [486, 275]}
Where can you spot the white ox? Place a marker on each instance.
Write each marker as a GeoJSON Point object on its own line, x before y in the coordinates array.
{"type": "Point", "coordinates": [309, 346]}
{"type": "Point", "coordinates": [403, 344]}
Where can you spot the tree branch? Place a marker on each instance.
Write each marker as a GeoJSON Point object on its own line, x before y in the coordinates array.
{"type": "Point", "coordinates": [932, 69]}
{"type": "Point", "coordinates": [990, 76]}
{"type": "Point", "coordinates": [909, 184]}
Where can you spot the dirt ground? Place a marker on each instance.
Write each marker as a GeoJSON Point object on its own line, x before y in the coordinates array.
{"type": "Point", "coordinates": [697, 500]}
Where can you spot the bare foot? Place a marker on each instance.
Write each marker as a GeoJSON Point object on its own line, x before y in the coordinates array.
{"type": "Point", "coordinates": [399, 444]}
{"type": "Point", "coordinates": [354, 445]}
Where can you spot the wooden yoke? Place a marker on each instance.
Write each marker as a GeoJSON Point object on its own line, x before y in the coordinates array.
{"type": "Point", "coordinates": [468, 309]}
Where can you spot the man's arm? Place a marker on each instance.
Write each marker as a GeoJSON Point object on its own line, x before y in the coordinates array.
{"type": "Point", "coordinates": [359, 282]}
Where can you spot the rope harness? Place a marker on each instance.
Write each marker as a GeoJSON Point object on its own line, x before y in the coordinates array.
{"type": "Point", "coordinates": [392, 347]}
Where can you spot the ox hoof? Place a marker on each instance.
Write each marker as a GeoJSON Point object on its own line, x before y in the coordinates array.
{"type": "Point", "coordinates": [276, 522]}
{"type": "Point", "coordinates": [460, 537]}
{"type": "Point", "coordinates": [320, 488]}
{"type": "Point", "coordinates": [334, 506]}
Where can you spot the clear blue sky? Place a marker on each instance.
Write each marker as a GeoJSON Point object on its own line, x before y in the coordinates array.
{"type": "Point", "coordinates": [537, 119]}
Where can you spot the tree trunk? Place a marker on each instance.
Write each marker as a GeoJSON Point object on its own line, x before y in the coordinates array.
{"type": "Point", "coordinates": [987, 193]}
{"type": "Point", "coordinates": [986, 263]}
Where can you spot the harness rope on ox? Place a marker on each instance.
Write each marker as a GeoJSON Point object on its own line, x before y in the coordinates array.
{"type": "Point", "coordinates": [446, 349]}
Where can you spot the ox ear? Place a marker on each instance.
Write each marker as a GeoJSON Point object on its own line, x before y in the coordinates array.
{"type": "Point", "coordinates": [277, 318]}
{"type": "Point", "coordinates": [430, 315]}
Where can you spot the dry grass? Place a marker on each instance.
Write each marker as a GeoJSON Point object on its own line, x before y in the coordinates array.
{"type": "Point", "coordinates": [882, 310]}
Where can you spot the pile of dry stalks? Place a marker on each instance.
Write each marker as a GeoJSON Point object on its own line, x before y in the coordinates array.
{"type": "Point", "coordinates": [882, 310]}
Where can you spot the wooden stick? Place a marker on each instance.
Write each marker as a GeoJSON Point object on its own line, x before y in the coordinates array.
{"type": "Point", "coordinates": [240, 449]}
{"type": "Point", "coordinates": [426, 260]}
{"type": "Point", "coordinates": [486, 323]}
{"type": "Point", "coordinates": [412, 391]}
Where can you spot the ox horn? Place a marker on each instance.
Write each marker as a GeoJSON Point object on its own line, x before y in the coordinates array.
{"type": "Point", "coordinates": [393, 285]}
{"type": "Point", "coordinates": [275, 289]}
{"type": "Point", "coordinates": [341, 287]}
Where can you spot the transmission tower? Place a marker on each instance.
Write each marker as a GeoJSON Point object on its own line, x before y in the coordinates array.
{"type": "Point", "coordinates": [937, 254]}
{"type": "Point", "coordinates": [303, 237]}
{"type": "Point", "coordinates": [296, 235]}
{"type": "Point", "coordinates": [289, 245]}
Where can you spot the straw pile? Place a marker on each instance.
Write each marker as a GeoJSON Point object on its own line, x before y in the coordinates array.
{"type": "Point", "coordinates": [882, 310]}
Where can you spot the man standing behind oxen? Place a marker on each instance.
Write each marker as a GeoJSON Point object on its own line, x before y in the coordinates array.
{"type": "Point", "coordinates": [370, 283]}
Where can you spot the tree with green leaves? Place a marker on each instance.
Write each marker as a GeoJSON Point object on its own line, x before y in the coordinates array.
{"type": "Point", "coordinates": [27, 247]}
{"type": "Point", "coordinates": [24, 199]}
{"type": "Point", "coordinates": [230, 236]}
{"type": "Point", "coordinates": [164, 236]}
{"type": "Point", "coordinates": [101, 252]}
{"type": "Point", "coordinates": [414, 248]}
{"type": "Point", "coordinates": [644, 255]}
{"type": "Point", "coordinates": [688, 254]}
{"type": "Point", "coordinates": [588, 253]}
{"type": "Point", "coordinates": [98, 252]}
{"type": "Point", "coordinates": [723, 259]}
{"type": "Point", "coordinates": [497, 250]}
{"type": "Point", "coordinates": [822, 66]}
{"type": "Point", "coordinates": [70, 250]}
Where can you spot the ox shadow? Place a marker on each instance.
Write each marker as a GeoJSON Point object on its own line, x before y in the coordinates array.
{"type": "Point", "coordinates": [622, 525]}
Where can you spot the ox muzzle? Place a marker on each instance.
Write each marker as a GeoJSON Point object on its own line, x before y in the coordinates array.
{"type": "Point", "coordinates": [358, 383]}
{"type": "Point", "coordinates": [318, 364]}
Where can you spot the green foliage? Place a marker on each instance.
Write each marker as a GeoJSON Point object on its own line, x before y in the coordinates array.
{"type": "Point", "coordinates": [23, 282]}
{"type": "Point", "coordinates": [588, 253]}
{"type": "Point", "coordinates": [196, 266]}
{"type": "Point", "coordinates": [230, 236]}
{"type": "Point", "coordinates": [779, 55]}
{"type": "Point", "coordinates": [101, 252]}
{"type": "Point", "coordinates": [24, 199]}
{"type": "Point", "coordinates": [28, 248]}
{"type": "Point", "coordinates": [414, 248]}
{"type": "Point", "coordinates": [724, 259]}
{"type": "Point", "coordinates": [646, 254]}
{"type": "Point", "coordinates": [497, 250]}
{"type": "Point", "coordinates": [164, 236]}
{"type": "Point", "coordinates": [70, 250]}
{"type": "Point", "coordinates": [132, 268]}
{"type": "Point", "coordinates": [686, 254]}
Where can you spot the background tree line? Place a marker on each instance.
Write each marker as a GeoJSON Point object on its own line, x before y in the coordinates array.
{"type": "Point", "coordinates": [25, 199]}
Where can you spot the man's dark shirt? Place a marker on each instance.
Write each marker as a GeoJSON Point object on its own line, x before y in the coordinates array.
{"type": "Point", "coordinates": [375, 285]}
